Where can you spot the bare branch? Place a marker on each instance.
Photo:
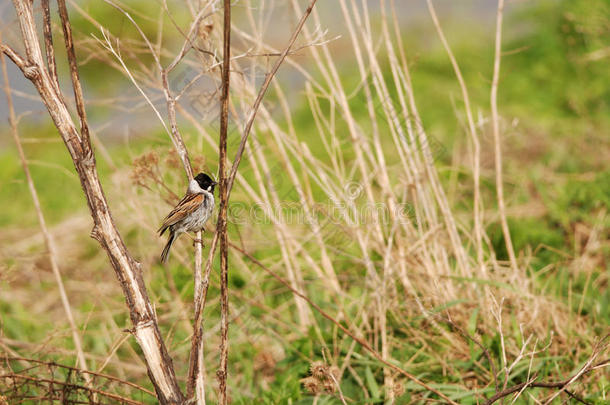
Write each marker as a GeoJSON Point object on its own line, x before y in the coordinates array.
{"type": "Point", "coordinates": [14, 56]}
{"type": "Point", "coordinates": [221, 227]}
{"type": "Point", "coordinates": [78, 91]}
{"type": "Point", "coordinates": [48, 42]}
{"type": "Point", "coordinates": [202, 288]}
{"type": "Point", "coordinates": [560, 385]}
{"type": "Point", "coordinates": [261, 94]}
{"type": "Point", "coordinates": [127, 269]}
{"type": "Point", "coordinates": [49, 242]}
{"type": "Point", "coordinates": [195, 374]}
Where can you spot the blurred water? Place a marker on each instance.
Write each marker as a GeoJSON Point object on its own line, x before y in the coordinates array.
{"type": "Point", "coordinates": [278, 24]}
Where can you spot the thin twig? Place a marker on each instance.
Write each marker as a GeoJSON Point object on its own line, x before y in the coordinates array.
{"type": "Point", "coordinates": [78, 90]}
{"type": "Point", "coordinates": [203, 287]}
{"type": "Point", "coordinates": [261, 94]}
{"type": "Point", "coordinates": [48, 42]}
{"type": "Point", "coordinates": [495, 121]}
{"type": "Point", "coordinates": [588, 367]}
{"type": "Point", "coordinates": [195, 376]}
{"type": "Point", "coordinates": [14, 56]}
{"type": "Point", "coordinates": [345, 330]}
{"type": "Point", "coordinates": [110, 395]}
{"type": "Point", "coordinates": [83, 371]}
{"type": "Point", "coordinates": [465, 335]}
{"type": "Point", "coordinates": [476, 169]}
{"type": "Point", "coordinates": [188, 43]}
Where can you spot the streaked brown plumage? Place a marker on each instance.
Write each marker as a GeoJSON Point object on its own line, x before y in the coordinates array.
{"type": "Point", "coordinates": [188, 204]}
{"type": "Point", "coordinates": [191, 213]}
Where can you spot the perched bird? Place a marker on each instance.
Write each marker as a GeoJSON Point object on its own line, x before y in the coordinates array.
{"type": "Point", "coordinates": [191, 213]}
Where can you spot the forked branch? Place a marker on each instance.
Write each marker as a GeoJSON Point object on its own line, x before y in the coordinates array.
{"type": "Point", "coordinates": [560, 386]}
{"type": "Point", "coordinates": [127, 269]}
{"type": "Point", "coordinates": [48, 238]}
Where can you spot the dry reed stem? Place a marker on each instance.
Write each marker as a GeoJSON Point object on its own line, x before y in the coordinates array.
{"type": "Point", "coordinates": [127, 270]}
{"type": "Point", "coordinates": [76, 86]}
{"type": "Point", "coordinates": [196, 374]}
{"type": "Point", "coordinates": [476, 154]}
{"type": "Point", "coordinates": [48, 238]}
{"type": "Point", "coordinates": [281, 232]}
{"type": "Point", "coordinates": [326, 268]}
{"type": "Point", "coordinates": [495, 121]}
{"type": "Point", "coordinates": [360, 341]}
{"type": "Point", "coordinates": [221, 224]}
{"type": "Point", "coordinates": [561, 386]}
{"type": "Point", "coordinates": [381, 168]}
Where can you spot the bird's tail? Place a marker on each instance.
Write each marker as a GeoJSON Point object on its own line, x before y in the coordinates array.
{"type": "Point", "coordinates": [168, 246]}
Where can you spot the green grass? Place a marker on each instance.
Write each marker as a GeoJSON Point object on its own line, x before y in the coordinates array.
{"type": "Point", "coordinates": [55, 180]}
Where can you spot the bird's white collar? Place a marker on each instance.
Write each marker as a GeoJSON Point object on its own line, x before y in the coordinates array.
{"type": "Point", "coordinates": [194, 187]}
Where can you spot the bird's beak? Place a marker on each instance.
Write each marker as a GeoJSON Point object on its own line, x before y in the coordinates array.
{"type": "Point", "coordinates": [214, 183]}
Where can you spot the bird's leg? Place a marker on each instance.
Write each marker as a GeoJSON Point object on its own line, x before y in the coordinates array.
{"type": "Point", "coordinates": [189, 235]}
{"type": "Point", "coordinates": [195, 240]}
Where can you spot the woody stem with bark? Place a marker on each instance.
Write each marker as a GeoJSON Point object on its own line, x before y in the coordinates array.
{"type": "Point", "coordinates": [221, 228]}
{"type": "Point", "coordinates": [225, 185]}
{"type": "Point", "coordinates": [48, 238]}
{"type": "Point", "coordinates": [127, 269]}
{"type": "Point", "coordinates": [195, 377]}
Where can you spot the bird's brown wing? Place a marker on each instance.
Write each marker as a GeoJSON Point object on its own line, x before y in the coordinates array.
{"type": "Point", "coordinates": [187, 205]}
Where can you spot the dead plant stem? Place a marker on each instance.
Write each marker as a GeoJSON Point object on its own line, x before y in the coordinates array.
{"type": "Point", "coordinates": [221, 227]}
{"type": "Point", "coordinates": [48, 238]}
{"type": "Point", "coordinates": [345, 330]}
{"type": "Point", "coordinates": [495, 121]}
{"type": "Point", "coordinates": [127, 269]}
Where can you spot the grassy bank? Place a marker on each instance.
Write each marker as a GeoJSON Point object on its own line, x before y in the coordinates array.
{"type": "Point", "coordinates": [402, 287]}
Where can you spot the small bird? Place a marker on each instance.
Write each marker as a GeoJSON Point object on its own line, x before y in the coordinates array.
{"type": "Point", "coordinates": [191, 213]}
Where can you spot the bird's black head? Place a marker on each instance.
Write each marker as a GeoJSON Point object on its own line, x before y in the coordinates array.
{"type": "Point", "coordinates": [205, 182]}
